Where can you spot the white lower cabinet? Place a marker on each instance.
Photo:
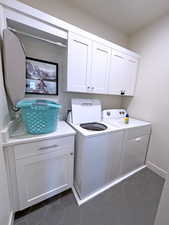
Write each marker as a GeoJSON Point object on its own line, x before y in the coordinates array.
{"type": "Point", "coordinates": [97, 161]}
{"type": "Point", "coordinates": [42, 169]}
{"type": "Point", "coordinates": [135, 153]}
{"type": "Point", "coordinates": [42, 176]}
{"type": "Point", "coordinates": [134, 150]}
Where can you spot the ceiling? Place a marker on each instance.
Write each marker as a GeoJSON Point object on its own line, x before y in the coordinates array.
{"type": "Point", "coordinates": [125, 15]}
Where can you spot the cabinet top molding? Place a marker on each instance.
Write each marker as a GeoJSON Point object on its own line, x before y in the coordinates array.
{"type": "Point", "coordinates": [24, 9]}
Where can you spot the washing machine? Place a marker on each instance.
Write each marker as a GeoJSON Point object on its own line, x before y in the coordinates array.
{"type": "Point", "coordinates": [98, 147]}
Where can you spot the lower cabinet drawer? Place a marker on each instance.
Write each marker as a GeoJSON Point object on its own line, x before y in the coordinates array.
{"type": "Point", "coordinates": [134, 154]}
{"type": "Point", "coordinates": [40, 147]}
{"type": "Point", "coordinates": [138, 131]}
{"type": "Point", "coordinates": [42, 176]}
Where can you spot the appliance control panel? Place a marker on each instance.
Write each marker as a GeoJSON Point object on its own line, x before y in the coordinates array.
{"type": "Point", "coordinates": [113, 114]}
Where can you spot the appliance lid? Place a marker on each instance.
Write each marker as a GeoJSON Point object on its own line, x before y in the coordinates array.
{"type": "Point", "coordinates": [93, 126]}
{"type": "Point", "coordinates": [86, 111]}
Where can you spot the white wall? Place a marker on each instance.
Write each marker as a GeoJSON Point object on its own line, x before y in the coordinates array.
{"type": "Point", "coordinates": [162, 217]}
{"type": "Point", "coordinates": [151, 101]}
{"type": "Point", "coordinates": [42, 50]}
{"type": "Point", "coordinates": [63, 10]}
{"type": "Point", "coordinates": [4, 195]}
{"type": "Point", "coordinates": [4, 118]}
{"type": "Point", "coordinates": [4, 113]}
{"type": "Point", "coordinates": [5, 212]}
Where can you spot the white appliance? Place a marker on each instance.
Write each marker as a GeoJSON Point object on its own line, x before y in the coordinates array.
{"type": "Point", "coordinates": [116, 117]}
{"type": "Point", "coordinates": [135, 142]}
{"type": "Point", "coordinates": [98, 147]}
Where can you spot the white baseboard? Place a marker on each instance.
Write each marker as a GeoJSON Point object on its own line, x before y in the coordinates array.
{"type": "Point", "coordinates": [11, 219]}
{"type": "Point", "coordinates": [82, 201]}
{"type": "Point", "coordinates": [162, 173]}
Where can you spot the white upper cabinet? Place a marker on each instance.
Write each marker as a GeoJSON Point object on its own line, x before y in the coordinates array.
{"type": "Point", "coordinates": [131, 64]}
{"type": "Point", "coordinates": [97, 68]}
{"type": "Point", "coordinates": [117, 73]}
{"type": "Point", "coordinates": [79, 63]}
{"type": "Point", "coordinates": [100, 68]}
{"type": "Point", "coordinates": [122, 76]}
{"type": "Point", "coordinates": [88, 65]}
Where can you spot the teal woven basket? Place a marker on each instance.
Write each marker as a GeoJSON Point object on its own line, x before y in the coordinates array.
{"type": "Point", "coordinates": [39, 116]}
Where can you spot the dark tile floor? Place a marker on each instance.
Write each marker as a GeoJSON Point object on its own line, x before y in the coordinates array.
{"type": "Point", "coordinates": [132, 202]}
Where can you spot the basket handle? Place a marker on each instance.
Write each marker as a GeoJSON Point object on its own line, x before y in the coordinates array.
{"type": "Point", "coordinates": [43, 104]}
{"type": "Point", "coordinates": [40, 102]}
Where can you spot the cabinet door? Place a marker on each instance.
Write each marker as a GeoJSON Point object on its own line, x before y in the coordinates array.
{"type": "Point", "coordinates": [97, 162]}
{"type": "Point", "coordinates": [42, 176]}
{"type": "Point", "coordinates": [131, 65]}
{"type": "Point", "coordinates": [79, 63]}
{"type": "Point", "coordinates": [100, 68]}
{"type": "Point", "coordinates": [117, 73]}
{"type": "Point", "coordinates": [122, 76]}
{"type": "Point", "coordinates": [114, 156]}
{"type": "Point", "coordinates": [135, 153]}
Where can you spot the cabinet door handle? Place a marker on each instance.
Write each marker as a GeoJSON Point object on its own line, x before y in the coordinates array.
{"type": "Point", "coordinates": [138, 139]}
{"type": "Point", "coordinates": [80, 42]}
{"type": "Point", "coordinates": [90, 88]}
{"type": "Point", "coordinates": [102, 50]}
{"type": "Point", "coordinates": [87, 104]}
{"type": "Point", "coordinates": [122, 92]}
{"type": "Point", "coordinates": [48, 147]}
{"type": "Point", "coordinates": [119, 56]}
{"type": "Point", "coordinates": [130, 60]}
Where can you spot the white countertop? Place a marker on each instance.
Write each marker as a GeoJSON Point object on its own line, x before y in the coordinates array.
{"type": "Point", "coordinates": [112, 126]}
{"type": "Point", "coordinates": [132, 123]}
{"type": "Point", "coordinates": [89, 133]}
{"type": "Point", "coordinates": [20, 136]}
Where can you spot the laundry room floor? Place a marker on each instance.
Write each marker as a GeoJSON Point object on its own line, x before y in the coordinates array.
{"type": "Point", "coordinates": [132, 202]}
